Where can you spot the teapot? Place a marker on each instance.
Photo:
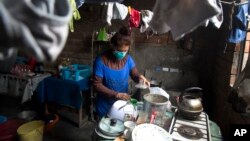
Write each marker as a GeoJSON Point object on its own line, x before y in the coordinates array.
{"type": "Point", "coordinates": [189, 103]}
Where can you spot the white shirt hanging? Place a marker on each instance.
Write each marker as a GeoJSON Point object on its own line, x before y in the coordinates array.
{"type": "Point", "coordinates": [182, 16]}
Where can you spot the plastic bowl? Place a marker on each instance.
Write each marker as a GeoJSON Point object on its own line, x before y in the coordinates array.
{"type": "Point", "coordinates": [3, 119]}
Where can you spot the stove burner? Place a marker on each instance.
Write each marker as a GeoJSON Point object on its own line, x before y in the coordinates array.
{"type": "Point", "coordinates": [190, 132]}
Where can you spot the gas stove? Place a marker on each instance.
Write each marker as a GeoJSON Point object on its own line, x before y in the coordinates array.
{"type": "Point", "coordinates": [190, 130]}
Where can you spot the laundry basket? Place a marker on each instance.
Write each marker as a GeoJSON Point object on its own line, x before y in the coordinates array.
{"type": "Point", "coordinates": [31, 131]}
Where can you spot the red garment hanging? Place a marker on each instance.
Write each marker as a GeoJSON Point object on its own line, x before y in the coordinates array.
{"type": "Point", "coordinates": [135, 18]}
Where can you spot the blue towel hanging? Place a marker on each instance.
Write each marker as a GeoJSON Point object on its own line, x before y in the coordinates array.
{"type": "Point", "coordinates": [238, 32]}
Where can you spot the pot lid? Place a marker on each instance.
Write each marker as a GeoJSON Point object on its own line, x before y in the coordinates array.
{"type": "Point", "coordinates": [111, 127]}
{"type": "Point", "coordinates": [103, 136]}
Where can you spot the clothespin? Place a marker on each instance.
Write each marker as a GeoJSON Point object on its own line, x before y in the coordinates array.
{"type": "Point", "coordinates": [129, 9]}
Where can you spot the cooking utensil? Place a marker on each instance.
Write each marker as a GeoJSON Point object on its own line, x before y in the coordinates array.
{"type": "Point", "coordinates": [155, 83]}
{"type": "Point", "coordinates": [141, 89]}
{"type": "Point", "coordinates": [154, 102]}
{"type": "Point", "coordinates": [131, 101]}
{"type": "Point", "coordinates": [27, 115]}
{"type": "Point", "coordinates": [189, 104]}
{"type": "Point", "coordinates": [123, 105]}
{"type": "Point", "coordinates": [141, 86]}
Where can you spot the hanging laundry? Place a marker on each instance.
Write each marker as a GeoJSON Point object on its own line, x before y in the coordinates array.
{"type": "Point", "coordinates": [120, 11]}
{"type": "Point", "coordinates": [239, 24]}
{"type": "Point", "coordinates": [146, 17]}
{"type": "Point", "coordinates": [75, 15]}
{"type": "Point", "coordinates": [248, 8]}
{"type": "Point", "coordinates": [79, 3]}
{"type": "Point", "coordinates": [115, 11]}
{"type": "Point", "coordinates": [135, 18]}
{"type": "Point", "coordinates": [181, 17]}
{"type": "Point", "coordinates": [218, 19]}
{"type": "Point", "coordinates": [101, 1]}
{"type": "Point", "coordinates": [109, 15]}
{"type": "Point", "coordinates": [40, 28]}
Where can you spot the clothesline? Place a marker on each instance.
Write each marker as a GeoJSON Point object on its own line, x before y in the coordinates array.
{"type": "Point", "coordinates": [234, 3]}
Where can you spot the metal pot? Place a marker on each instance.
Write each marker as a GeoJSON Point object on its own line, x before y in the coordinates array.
{"type": "Point", "coordinates": [154, 83]}
{"type": "Point", "coordinates": [189, 104]}
{"type": "Point", "coordinates": [27, 115]}
{"type": "Point", "coordinates": [154, 102]}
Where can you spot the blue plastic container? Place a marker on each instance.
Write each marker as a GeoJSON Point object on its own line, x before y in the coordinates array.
{"type": "Point", "coordinates": [3, 119]}
{"type": "Point", "coordinates": [76, 72]}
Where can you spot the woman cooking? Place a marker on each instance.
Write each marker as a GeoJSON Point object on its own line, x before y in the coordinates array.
{"type": "Point", "coordinates": [112, 70]}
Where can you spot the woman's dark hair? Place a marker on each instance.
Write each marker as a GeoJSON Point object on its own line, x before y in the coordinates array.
{"type": "Point", "coordinates": [122, 37]}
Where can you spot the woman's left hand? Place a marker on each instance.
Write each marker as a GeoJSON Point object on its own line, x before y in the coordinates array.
{"type": "Point", "coordinates": [145, 81]}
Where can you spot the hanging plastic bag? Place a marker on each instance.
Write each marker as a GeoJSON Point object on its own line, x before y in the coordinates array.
{"type": "Point", "coordinates": [102, 35]}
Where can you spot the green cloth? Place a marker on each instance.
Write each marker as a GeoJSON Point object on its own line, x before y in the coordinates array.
{"type": "Point", "coordinates": [75, 15]}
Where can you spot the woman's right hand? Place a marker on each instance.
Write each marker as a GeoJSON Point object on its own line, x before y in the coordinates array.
{"type": "Point", "coordinates": [123, 96]}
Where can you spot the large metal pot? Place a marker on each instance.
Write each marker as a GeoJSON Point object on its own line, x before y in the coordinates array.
{"type": "Point", "coordinates": [189, 104]}
{"type": "Point", "coordinates": [154, 102]}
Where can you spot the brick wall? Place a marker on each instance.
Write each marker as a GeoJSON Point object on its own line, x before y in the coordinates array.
{"type": "Point", "coordinates": [148, 52]}
{"type": "Point", "coordinates": [207, 60]}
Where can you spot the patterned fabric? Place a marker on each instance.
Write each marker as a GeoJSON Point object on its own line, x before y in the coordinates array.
{"type": "Point", "coordinates": [39, 27]}
{"type": "Point", "coordinates": [20, 86]}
